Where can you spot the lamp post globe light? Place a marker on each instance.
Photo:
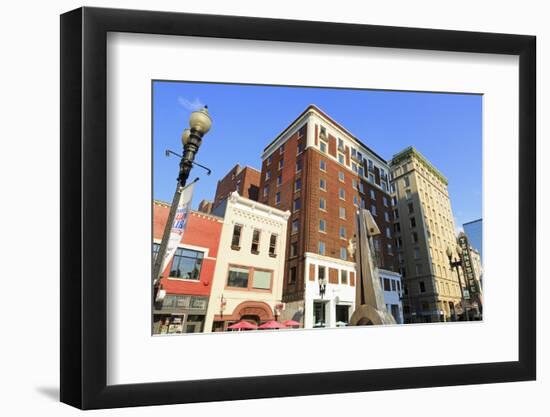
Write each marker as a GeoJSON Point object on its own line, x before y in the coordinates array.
{"type": "Point", "coordinates": [191, 139]}
{"type": "Point", "coordinates": [457, 263]}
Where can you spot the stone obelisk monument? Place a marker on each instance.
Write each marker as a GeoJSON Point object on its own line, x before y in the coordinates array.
{"type": "Point", "coordinates": [370, 308]}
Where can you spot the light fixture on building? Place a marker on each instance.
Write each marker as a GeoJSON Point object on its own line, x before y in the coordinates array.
{"type": "Point", "coordinates": [322, 287]}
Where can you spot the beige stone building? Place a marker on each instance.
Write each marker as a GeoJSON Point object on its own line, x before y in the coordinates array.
{"type": "Point", "coordinates": [424, 228]}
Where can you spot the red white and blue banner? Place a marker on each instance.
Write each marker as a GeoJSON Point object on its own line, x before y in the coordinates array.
{"type": "Point", "coordinates": [179, 224]}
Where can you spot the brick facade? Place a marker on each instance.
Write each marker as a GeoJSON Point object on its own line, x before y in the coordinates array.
{"type": "Point", "coordinates": [244, 180]}
{"type": "Point", "coordinates": [282, 193]}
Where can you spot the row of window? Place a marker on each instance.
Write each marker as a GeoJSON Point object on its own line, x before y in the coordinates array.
{"type": "Point", "coordinates": [243, 277]}
{"type": "Point", "coordinates": [255, 243]}
{"type": "Point", "coordinates": [358, 168]}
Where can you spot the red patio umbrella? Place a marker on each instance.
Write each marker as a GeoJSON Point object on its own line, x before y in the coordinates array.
{"type": "Point", "coordinates": [272, 325]}
{"type": "Point", "coordinates": [291, 323]}
{"type": "Point", "coordinates": [243, 325]}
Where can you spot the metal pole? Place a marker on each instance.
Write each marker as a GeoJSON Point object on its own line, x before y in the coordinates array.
{"type": "Point", "coordinates": [190, 150]}
{"type": "Point", "coordinates": [455, 264]}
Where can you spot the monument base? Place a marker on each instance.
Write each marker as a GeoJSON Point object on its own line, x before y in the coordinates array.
{"type": "Point", "coordinates": [366, 315]}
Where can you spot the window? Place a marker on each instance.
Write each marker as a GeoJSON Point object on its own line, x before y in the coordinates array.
{"type": "Point", "coordinates": [414, 237]}
{"type": "Point", "coordinates": [267, 175]}
{"type": "Point", "coordinates": [341, 176]}
{"type": "Point", "coordinates": [413, 222]}
{"type": "Point", "coordinates": [238, 277]}
{"type": "Point", "coordinates": [386, 216]}
{"type": "Point", "coordinates": [361, 171]}
{"type": "Point", "coordinates": [186, 264]}
{"type": "Point", "coordinates": [396, 214]}
{"type": "Point", "coordinates": [390, 249]}
{"type": "Point", "coordinates": [385, 200]}
{"type": "Point", "coordinates": [422, 286]}
{"type": "Point", "coordinates": [383, 185]}
{"type": "Point", "coordinates": [298, 185]}
{"type": "Point", "coordinates": [321, 248]}
{"type": "Point", "coordinates": [343, 253]}
{"type": "Point", "coordinates": [397, 228]}
{"type": "Point", "coordinates": [355, 200]}
{"type": "Point", "coordinates": [255, 247]}
{"type": "Point", "coordinates": [388, 232]}
{"type": "Point", "coordinates": [299, 149]}
{"type": "Point", "coordinates": [340, 144]}
{"type": "Point", "coordinates": [322, 165]}
{"type": "Point", "coordinates": [418, 269]}
{"type": "Point", "coordinates": [416, 253]}
{"type": "Point", "coordinates": [266, 190]}
{"type": "Point", "coordinates": [292, 275]}
{"type": "Point", "coordinates": [354, 184]}
{"type": "Point", "coordinates": [293, 249]}
{"type": "Point", "coordinates": [373, 210]}
{"type": "Point", "coordinates": [273, 245]}
{"type": "Point", "coordinates": [322, 184]}
{"type": "Point", "coordinates": [354, 167]}
{"type": "Point", "coordinates": [236, 240]}
{"type": "Point", "coordinates": [387, 284]}
{"type": "Point", "coordinates": [269, 158]}
{"type": "Point", "coordinates": [321, 272]}
{"type": "Point", "coordinates": [372, 194]}
{"type": "Point", "coordinates": [342, 194]}
{"type": "Point", "coordinates": [393, 286]}
{"type": "Point", "coordinates": [279, 180]}
{"type": "Point", "coordinates": [297, 204]}
{"type": "Point", "coordinates": [295, 225]}
{"type": "Point", "coordinates": [371, 177]}
{"type": "Point", "coordinates": [363, 203]}
{"type": "Point", "coordinates": [408, 194]}
{"type": "Point", "coordinates": [342, 232]}
{"type": "Point", "coordinates": [298, 165]}
{"type": "Point", "coordinates": [322, 204]}
{"type": "Point", "coordinates": [406, 181]}
{"type": "Point", "coordinates": [261, 280]}
{"type": "Point", "coordinates": [343, 276]}
{"type": "Point", "coordinates": [411, 208]}
{"type": "Point", "coordinates": [281, 163]}
{"type": "Point", "coordinates": [277, 198]}
{"type": "Point", "coordinates": [322, 225]}
{"type": "Point", "coordinates": [341, 158]}
{"type": "Point", "coordinates": [156, 248]}
{"type": "Point", "coordinates": [342, 212]}
{"type": "Point", "coordinates": [323, 146]}
{"type": "Point", "coordinates": [282, 149]}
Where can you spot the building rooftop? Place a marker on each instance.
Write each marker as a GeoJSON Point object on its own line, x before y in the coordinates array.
{"type": "Point", "coordinates": [331, 120]}
{"type": "Point", "coordinates": [410, 152]}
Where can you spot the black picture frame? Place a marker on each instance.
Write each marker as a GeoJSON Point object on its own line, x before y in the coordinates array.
{"type": "Point", "coordinates": [84, 207]}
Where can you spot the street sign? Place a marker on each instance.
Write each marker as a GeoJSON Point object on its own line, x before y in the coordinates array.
{"type": "Point", "coordinates": [467, 266]}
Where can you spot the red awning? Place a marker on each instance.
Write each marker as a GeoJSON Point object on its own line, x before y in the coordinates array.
{"type": "Point", "coordinates": [291, 323]}
{"type": "Point", "coordinates": [272, 325]}
{"type": "Point", "coordinates": [243, 325]}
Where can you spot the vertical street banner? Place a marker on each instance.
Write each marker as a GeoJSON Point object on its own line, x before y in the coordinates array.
{"type": "Point", "coordinates": [178, 226]}
{"type": "Point", "coordinates": [467, 264]}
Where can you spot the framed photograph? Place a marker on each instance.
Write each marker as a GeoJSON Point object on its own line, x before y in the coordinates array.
{"type": "Point", "coordinates": [260, 208]}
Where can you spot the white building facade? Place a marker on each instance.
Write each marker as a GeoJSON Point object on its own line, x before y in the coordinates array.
{"type": "Point", "coordinates": [248, 278]}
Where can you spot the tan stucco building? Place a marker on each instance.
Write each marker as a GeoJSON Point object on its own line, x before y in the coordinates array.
{"type": "Point", "coordinates": [424, 228]}
{"type": "Point", "coordinates": [248, 279]}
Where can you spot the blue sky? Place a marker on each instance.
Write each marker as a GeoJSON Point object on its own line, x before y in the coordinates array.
{"type": "Point", "coordinates": [446, 128]}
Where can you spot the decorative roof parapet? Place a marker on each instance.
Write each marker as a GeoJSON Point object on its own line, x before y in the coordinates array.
{"type": "Point", "coordinates": [410, 152]}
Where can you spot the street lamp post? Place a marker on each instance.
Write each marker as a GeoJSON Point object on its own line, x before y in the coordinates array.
{"type": "Point", "coordinates": [457, 263]}
{"type": "Point", "coordinates": [199, 124]}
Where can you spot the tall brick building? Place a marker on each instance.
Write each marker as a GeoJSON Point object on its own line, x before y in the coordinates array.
{"type": "Point", "coordinates": [244, 180]}
{"type": "Point", "coordinates": [322, 173]}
